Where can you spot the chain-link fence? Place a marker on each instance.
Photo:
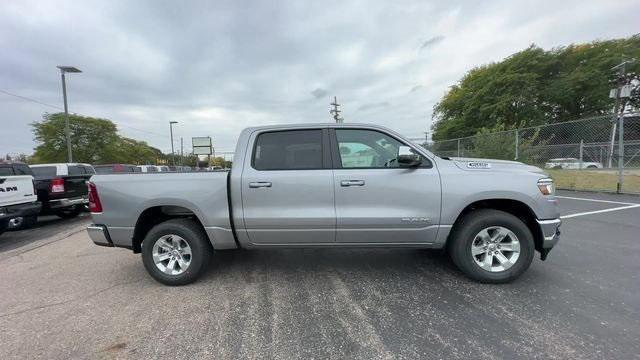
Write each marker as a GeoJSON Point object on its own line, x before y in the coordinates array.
{"type": "Point", "coordinates": [584, 154]}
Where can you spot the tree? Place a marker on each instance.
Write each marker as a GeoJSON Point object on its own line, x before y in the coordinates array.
{"type": "Point", "coordinates": [533, 87]}
{"type": "Point", "coordinates": [93, 140]}
{"type": "Point", "coordinates": [220, 161]}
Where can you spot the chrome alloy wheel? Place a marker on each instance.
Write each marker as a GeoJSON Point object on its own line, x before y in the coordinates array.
{"type": "Point", "coordinates": [495, 249]}
{"type": "Point", "coordinates": [171, 254]}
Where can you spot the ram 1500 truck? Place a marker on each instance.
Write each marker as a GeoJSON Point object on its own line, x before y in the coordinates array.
{"type": "Point", "coordinates": [330, 185]}
{"type": "Point", "coordinates": [18, 197]}
{"type": "Point", "coordinates": [62, 188]}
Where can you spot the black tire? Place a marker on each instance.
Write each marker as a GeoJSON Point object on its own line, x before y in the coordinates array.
{"type": "Point", "coordinates": [3, 226]}
{"type": "Point", "coordinates": [68, 213]}
{"type": "Point", "coordinates": [30, 221]}
{"type": "Point", "coordinates": [463, 235]}
{"type": "Point", "coordinates": [196, 238]}
{"type": "Point", "coordinates": [592, 167]}
{"type": "Point", "coordinates": [23, 222]}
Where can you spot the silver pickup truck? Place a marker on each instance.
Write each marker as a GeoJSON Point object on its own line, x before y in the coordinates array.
{"type": "Point", "coordinates": [330, 185]}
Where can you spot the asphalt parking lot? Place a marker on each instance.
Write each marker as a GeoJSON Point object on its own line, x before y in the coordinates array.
{"type": "Point", "coordinates": [63, 297]}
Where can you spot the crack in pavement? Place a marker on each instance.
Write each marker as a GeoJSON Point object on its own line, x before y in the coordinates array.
{"type": "Point", "coordinates": [20, 251]}
{"type": "Point", "coordinates": [39, 307]}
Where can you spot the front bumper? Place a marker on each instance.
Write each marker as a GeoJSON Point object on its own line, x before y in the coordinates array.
{"type": "Point", "coordinates": [99, 235]}
{"type": "Point", "coordinates": [550, 230]}
{"type": "Point", "coordinates": [20, 210]}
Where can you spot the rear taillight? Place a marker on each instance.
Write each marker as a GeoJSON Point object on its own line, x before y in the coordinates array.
{"type": "Point", "coordinates": [95, 206]}
{"type": "Point", "coordinates": [56, 186]}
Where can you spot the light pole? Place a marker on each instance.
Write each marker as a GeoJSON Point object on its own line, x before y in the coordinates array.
{"type": "Point", "coordinates": [63, 70]}
{"type": "Point", "coordinates": [173, 156]}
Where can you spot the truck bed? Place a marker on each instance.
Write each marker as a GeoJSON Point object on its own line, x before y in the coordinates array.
{"type": "Point", "coordinates": [125, 197]}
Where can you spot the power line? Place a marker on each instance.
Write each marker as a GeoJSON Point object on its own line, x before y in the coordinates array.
{"type": "Point", "coordinates": [30, 99]}
{"type": "Point", "coordinates": [60, 108]}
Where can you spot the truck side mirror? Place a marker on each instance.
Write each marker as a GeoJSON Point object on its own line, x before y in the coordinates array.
{"type": "Point", "coordinates": [407, 158]}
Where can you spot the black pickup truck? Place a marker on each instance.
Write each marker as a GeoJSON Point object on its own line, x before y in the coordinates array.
{"type": "Point", "coordinates": [62, 188]}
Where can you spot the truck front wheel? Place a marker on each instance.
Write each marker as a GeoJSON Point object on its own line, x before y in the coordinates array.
{"type": "Point", "coordinates": [491, 246]}
{"type": "Point", "coordinates": [176, 252]}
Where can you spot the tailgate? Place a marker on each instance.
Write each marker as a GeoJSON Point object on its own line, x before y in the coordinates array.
{"type": "Point", "coordinates": [75, 186]}
{"type": "Point", "coordinates": [16, 190]}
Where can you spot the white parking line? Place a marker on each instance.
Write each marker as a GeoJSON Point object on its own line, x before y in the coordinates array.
{"type": "Point", "coordinates": [596, 200]}
{"type": "Point", "coordinates": [599, 211]}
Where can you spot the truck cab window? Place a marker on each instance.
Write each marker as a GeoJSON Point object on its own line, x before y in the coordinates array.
{"type": "Point", "coordinates": [288, 150]}
{"type": "Point", "coordinates": [44, 171]}
{"type": "Point", "coordinates": [6, 170]}
{"type": "Point", "coordinates": [22, 169]}
{"type": "Point", "coordinates": [367, 149]}
{"type": "Point", "coordinates": [76, 170]}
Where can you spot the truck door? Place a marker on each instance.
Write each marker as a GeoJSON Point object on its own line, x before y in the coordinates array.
{"type": "Point", "coordinates": [376, 200]}
{"type": "Point", "coordinates": [287, 188]}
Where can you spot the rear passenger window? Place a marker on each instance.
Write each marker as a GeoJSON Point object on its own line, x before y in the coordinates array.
{"type": "Point", "coordinates": [104, 169]}
{"type": "Point", "coordinates": [88, 170]}
{"type": "Point", "coordinates": [288, 150]}
{"type": "Point", "coordinates": [44, 171]}
{"type": "Point", "coordinates": [76, 170]}
{"type": "Point", "coordinates": [6, 170]}
{"type": "Point", "coordinates": [22, 169]}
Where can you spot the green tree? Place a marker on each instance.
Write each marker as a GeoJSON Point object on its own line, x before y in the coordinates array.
{"type": "Point", "coordinates": [93, 140]}
{"type": "Point", "coordinates": [533, 87]}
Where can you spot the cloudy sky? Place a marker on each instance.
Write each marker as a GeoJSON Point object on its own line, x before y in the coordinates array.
{"type": "Point", "coordinates": [217, 67]}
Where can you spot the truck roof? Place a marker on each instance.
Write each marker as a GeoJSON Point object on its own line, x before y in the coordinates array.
{"type": "Point", "coordinates": [308, 125]}
{"type": "Point", "coordinates": [60, 164]}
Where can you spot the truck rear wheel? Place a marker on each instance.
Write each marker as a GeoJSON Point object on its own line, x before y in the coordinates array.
{"type": "Point", "coordinates": [491, 246]}
{"type": "Point", "coordinates": [176, 252]}
{"type": "Point", "coordinates": [3, 226]}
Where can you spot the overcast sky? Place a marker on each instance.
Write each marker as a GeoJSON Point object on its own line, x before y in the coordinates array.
{"type": "Point", "coordinates": [217, 67]}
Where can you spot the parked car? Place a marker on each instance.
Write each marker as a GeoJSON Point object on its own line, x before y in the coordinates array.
{"type": "Point", "coordinates": [571, 164]}
{"type": "Point", "coordinates": [62, 188]}
{"type": "Point", "coordinates": [331, 185]}
{"type": "Point", "coordinates": [116, 168]}
{"type": "Point", "coordinates": [18, 198]}
{"type": "Point", "coordinates": [147, 168]}
{"type": "Point", "coordinates": [163, 168]}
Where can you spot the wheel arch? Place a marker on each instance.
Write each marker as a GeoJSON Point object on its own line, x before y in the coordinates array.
{"type": "Point", "coordinates": [157, 214]}
{"type": "Point", "coordinates": [511, 206]}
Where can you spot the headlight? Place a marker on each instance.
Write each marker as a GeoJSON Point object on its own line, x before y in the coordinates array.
{"type": "Point", "coordinates": [546, 186]}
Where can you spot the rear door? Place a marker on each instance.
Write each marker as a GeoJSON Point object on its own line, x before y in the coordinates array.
{"type": "Point", "coordinates": [287, 188]}
{"type": "Point", "coordinates": [376, 200]}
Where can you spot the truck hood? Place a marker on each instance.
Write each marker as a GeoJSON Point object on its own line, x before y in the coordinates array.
{"type": "Point", "coordinates": [477, 164]}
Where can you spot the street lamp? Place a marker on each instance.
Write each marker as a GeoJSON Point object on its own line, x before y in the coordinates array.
{"type": "Point", "coordinates": [63, 70]}
{"type": "Point", "coordinates": [173, 156]}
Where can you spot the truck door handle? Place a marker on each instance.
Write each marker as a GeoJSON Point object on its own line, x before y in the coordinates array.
{"type": "Point", "coordinates": [260, 184]}
{"type": "Point", "coordinates": [352, 183]}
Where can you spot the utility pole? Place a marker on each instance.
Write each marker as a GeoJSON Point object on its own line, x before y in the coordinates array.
{"type": "Point", "coordinates": [618, 114]}
{"type": "Point", "coordinates": [173, 154]}
{"type": "Point", "coordinates": [336, 111]}
{"type": "Point", "coordinates": [621, 71]}
{"type": "Point", "coordinates": [67, 130]}
{"type": "Point", "coordinates": [181, 152]}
